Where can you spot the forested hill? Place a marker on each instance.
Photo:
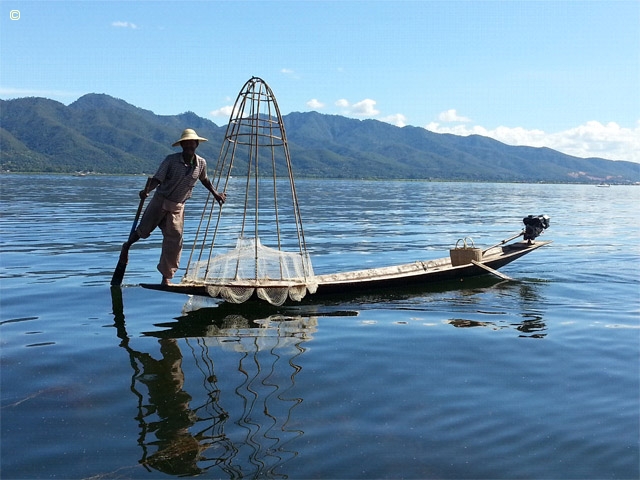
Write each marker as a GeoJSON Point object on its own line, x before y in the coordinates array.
{"type": "Point", "coordinates": [102, 134]}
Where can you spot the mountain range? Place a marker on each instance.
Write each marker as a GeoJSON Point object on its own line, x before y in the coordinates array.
{"type": "Point", "coordinates": [102, 134]}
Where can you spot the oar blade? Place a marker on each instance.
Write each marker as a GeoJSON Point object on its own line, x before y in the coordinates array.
{"type": "Point", "coordinates": [121, 267]}
{"type": "Point", "coordinates": [118, 273]}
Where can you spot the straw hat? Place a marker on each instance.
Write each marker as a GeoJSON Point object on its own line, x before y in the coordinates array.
{"type": "Point", "coordinates": [189, 134]}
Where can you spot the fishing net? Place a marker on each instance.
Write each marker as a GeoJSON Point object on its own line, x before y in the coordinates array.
{"type": "Point", "coordinates": [274, 275]}
{"type": "Point", "coordinates": [255, 137]}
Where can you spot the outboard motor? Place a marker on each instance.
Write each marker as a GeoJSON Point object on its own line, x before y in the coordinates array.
{"type": "Point", "coordinates": [535, 225]}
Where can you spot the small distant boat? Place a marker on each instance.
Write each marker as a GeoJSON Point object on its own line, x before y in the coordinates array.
{"type": "Point", "coordinates": [603, 185]}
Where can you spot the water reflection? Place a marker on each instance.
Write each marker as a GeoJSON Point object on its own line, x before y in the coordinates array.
{"type": "Point", "coordinates": [242, 426]}
{"type": "Point", "coordinates": [530, 305]}
{"type": "Point", "coordinates": [532, 308]}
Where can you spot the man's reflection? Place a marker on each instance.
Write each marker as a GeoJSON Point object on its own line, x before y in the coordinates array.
{"type": "Point", "coordinates": [178, 438]}
{"type": "Point", "coordinates": [167, 415]}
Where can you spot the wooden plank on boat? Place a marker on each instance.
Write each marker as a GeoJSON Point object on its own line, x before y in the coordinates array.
{"type": "Point", "coordinates": [491, 270]}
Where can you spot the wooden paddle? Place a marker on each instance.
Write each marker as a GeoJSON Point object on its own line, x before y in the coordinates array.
{"type": "Point", "coordinates": [118, 273]}
{"type": "Point", "coordinates": [492, 271]}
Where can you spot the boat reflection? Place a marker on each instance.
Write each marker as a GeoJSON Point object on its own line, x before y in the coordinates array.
{"type": "Point", "coordinates": [531, 324]}
{"type": "Point", "coordinates": [237, 423]}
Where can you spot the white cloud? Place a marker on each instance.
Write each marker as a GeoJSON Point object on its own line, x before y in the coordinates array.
{"type": "Point", "coordinates": [315, 104]}
{"type": "Point", "coordinates": [120, 24]}
{"type": "Point", "coordinates": [367, 108]}
{"type": "Point", "coordinates": [593, 139]}
{"type": "Point", "coordinates": [398, 119]}
{"type": "Point", "coordinates": [451, 115]}
{"type": "Point", "coordinates": [222, 111]}
{"type": "Point", "coordinates": [363, 108]}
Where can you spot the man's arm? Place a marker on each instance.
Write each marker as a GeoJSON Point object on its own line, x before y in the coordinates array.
{"type": "Point", "coordinates": [220, 197]}
{"type": "Point", "coordinates": [144, 193]}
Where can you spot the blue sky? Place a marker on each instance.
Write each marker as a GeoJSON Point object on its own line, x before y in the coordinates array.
{"type": "Point", "coordinates": [562, 74]}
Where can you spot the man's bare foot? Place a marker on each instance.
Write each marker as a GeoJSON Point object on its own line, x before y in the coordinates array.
{"type": "Point", "coordinates": [166, 281]}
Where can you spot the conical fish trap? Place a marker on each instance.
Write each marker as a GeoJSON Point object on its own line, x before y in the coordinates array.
{"type": "Point", "coordinates": [263, 261]}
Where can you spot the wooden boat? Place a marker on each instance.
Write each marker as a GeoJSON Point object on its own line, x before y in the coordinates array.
{"type": "Point", "coordinates": [419, 273]}
{"type": "Point", "coordinates": [284, 274]}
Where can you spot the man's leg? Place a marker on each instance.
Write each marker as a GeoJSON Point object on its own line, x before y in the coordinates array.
{"type": "Point", "coordinates": [171, 226]}
{"type": "Point", "coordinates": [151, 217]}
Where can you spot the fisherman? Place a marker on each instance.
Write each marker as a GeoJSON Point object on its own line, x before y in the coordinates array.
{"type": "Point", "coordinates": [175, 179]}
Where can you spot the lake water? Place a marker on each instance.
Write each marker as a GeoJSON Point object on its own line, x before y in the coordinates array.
{"type": "Point", "coordinates": [536, 378]}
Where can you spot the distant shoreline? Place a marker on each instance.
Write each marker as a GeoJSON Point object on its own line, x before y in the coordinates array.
{"type": "Point", "coordinates": [340, 179]}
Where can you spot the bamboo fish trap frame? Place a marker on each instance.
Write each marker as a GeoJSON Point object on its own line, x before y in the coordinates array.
{"type": "Point", "coordinates": [262, 262]}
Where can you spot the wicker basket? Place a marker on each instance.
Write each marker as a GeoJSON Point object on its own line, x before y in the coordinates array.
{"type": "Point", "coordinates": [463, 255]}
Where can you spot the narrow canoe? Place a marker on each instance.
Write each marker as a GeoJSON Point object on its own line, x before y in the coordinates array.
{"type": "Point", "coordinates": [420, 272]}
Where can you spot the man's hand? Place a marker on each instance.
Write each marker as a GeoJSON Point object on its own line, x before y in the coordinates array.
{"type": "Point", "coordinates": [220, 197]}
{"type": "Point", "coordinates": [151, 184]}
